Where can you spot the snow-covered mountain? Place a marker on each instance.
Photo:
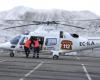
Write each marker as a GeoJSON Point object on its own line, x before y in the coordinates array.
{"type": "Point", "coordinates": [29, 14]}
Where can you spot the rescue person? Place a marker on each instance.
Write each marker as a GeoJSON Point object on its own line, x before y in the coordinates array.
{"type": "Point", "coordinates": [36, 47]}
{"type": "Point", "coordinates": [27, 47]}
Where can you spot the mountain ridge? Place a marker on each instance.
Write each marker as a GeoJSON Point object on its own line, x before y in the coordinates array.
{"type": "Point", "coordinates": [29, 14]}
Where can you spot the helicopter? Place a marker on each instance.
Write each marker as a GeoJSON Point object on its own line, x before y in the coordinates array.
{"type": "Point", "coordinates": [55, 41]}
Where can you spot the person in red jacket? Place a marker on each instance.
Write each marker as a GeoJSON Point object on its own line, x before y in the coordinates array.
{"type": "Point", "coordinates": [36, 47]}
{"type": "Point", "coordinates": [27, 47]}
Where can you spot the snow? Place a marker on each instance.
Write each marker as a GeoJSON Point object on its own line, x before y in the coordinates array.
{"type": "Point", "coordinates": [29, 15]}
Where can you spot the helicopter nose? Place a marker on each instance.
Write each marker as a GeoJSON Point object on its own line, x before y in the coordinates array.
{"type": "Point", "coordinates": [6, 45]}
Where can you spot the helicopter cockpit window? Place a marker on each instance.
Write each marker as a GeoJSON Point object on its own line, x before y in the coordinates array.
{"type": "Point", "coordinates": [51, 41]}
{"type": "Point", "coordinates": [22, 41]}
{"type": "Point", "coordinates": [75, 35]}
{"type": "Point", "coordinates": [15, 40]}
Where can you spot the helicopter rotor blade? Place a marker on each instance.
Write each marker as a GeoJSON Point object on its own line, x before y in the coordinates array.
{"type": "Point", "coordinates": [18, 26]}
{"type": "Point", "coordinates": [73, 26]}
{"type": "Point", "coordinates": [44, 22]}
{"type": "Point", "coordinates": [95, 19]}
{"type": "Point", "coordinates": [57, 22]}
{"type": "Point", "coordinates": [12, 20]}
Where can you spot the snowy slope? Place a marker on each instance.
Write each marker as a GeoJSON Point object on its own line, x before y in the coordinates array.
{"type": "Point", "coordinates": [28, 14]}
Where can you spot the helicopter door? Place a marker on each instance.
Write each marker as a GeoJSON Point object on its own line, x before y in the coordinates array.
{"type": "Point", "coordinates": [50, 44]}
{"type": "Point", "coordinates": [41, 40]}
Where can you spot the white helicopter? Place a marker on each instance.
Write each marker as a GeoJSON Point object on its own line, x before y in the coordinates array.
{"type": "Point", "coordinates": [54, 41]}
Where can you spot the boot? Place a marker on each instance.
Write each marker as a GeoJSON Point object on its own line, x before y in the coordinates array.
{"type": "Point", "coordinates": [37, 55]}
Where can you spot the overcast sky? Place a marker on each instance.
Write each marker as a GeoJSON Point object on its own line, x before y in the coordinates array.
{"type": "Point", "coordinates": [76, 5]}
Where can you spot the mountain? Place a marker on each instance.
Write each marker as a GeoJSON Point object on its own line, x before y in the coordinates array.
{"type": "Point", "coordinates": [29, 14]}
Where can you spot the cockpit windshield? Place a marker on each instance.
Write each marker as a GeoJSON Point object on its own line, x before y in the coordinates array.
{"type": "Point", "coordinates": [15, 40]}
{"type": "Point", "coordinates": [22, 41]}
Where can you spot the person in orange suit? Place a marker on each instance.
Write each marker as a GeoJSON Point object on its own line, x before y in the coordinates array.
{"type": "Point", "coordinates": [27, 45]}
